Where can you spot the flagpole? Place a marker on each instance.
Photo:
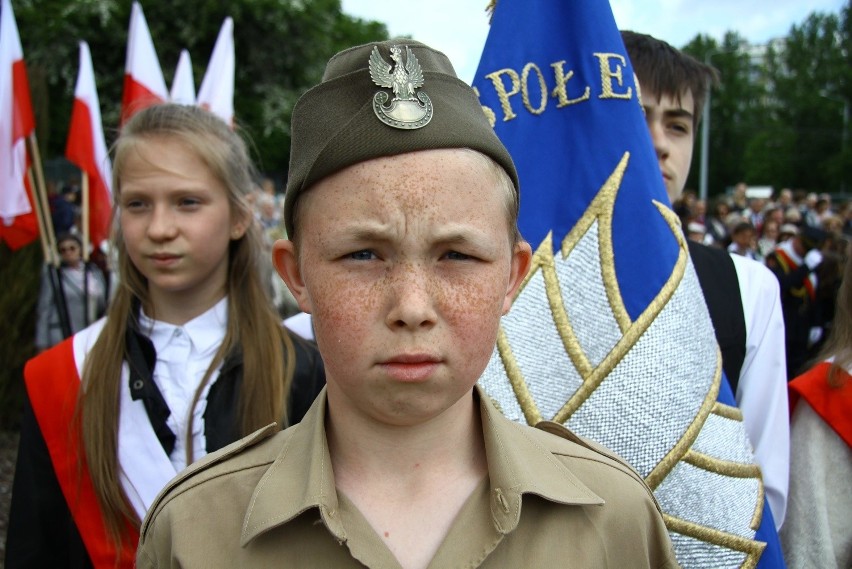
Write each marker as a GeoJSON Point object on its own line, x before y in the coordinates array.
{"type": "Point", "coordinates": [48, 241]}
{"type": "Point", "coordinates": [49, 254]}
{"type": "Point", "coordinates": [41, 197]}
{"type": "Point", "coordinates": [84, 191]}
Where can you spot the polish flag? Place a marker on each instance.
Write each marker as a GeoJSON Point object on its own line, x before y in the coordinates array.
{"type": "Point", "coordinates": [143, 78]}
{"type": "Point", "coordinates": [18, 224]}
{"type": "Point", "coordinates": [183, 84]}
{"type": "Point", "coordinates": [87, 149]}
{"type": "Point", "coordinates": [217, 88]}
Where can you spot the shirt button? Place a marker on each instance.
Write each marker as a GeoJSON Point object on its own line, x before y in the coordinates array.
{"type": "Point", "coordinates": [501, 500]}
{"type": "Point", "coordinates": [178, 333]}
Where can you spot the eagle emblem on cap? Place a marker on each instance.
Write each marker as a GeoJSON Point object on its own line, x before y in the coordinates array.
{"type": "Point", "coordinates": [408, 109]}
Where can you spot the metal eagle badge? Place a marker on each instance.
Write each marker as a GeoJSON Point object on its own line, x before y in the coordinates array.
{"type": "Point", "coordinates": [408, 109]}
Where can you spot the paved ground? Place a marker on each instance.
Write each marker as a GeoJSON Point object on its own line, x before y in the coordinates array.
{"type": "Point", "coordinates": [8, 451]}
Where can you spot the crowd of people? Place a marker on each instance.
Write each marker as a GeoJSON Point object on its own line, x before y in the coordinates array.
{"type": "Point", "coordinates": [802, 237]}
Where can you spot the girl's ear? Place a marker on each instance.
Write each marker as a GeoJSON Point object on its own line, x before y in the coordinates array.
{"type": "Point", "coordinates": [286, 262]}
{"type": "Point", "coordinates": [240, 225]}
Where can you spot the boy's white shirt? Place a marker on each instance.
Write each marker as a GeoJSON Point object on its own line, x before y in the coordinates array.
{"type": "Point", "coordinates": [762, 388]}
{"type": "Point", "coordinates": [144, 466]}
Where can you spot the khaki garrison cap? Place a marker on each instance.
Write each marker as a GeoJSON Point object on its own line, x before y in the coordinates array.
{"type": "Point", "coordinates": [383, 99]}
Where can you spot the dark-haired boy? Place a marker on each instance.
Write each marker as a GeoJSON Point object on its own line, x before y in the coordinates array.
{"type": "Point", "coordinates": [405, 251]}
{"type": "Point", "coordinates": [742, 295]}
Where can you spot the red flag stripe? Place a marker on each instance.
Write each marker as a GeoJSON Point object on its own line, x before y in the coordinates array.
{"type": "Point", "coordinates": [80, 150]}
{"type": "Point", "coordinates": [136, 97]}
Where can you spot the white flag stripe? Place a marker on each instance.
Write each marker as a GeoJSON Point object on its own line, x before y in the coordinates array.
{"type": "Point", "coordinates": [13, 154]}
{"type": "Point", "coordinates": [142, 63]}
{"type": "Point", "coordinates": [183, 84]}
{"type": "Point", "coordinates": [86, 91]}
{"type": "Point", "coordinates": [217, 87]}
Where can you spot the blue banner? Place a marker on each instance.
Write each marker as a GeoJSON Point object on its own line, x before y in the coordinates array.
{"type": "Point", "coordinates": [558, 87]}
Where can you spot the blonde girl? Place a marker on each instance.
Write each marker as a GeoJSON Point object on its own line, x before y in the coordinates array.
{"type": "Point", "coordinates": [190, 357]}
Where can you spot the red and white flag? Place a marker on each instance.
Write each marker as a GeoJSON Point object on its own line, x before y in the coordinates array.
{"type": "Point", "coordinates": [183, 84]}
{"type": "Point", "coordinates": [143, 77]}
{"type": "Point", "coordinates": [217, 88]}
{"type": "Point", "coordinates": [18, 224]}
{"type": "Point", "coordinates": [87, 149]}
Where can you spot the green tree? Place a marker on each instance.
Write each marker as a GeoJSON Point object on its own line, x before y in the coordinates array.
{"type": "Point", "coordinates": [734, 109]}
{"type": "Point", "coordinates": [809, 81]}
{"type": "Point", "coordinates": [281, 48]}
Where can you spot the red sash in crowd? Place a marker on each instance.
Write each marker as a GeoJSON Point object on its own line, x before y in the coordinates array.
{"type": "Point", "coordinates": [833, 404]}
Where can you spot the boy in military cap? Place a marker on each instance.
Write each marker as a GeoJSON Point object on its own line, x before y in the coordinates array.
{"type": "Point", "coordinates": [401, 208]}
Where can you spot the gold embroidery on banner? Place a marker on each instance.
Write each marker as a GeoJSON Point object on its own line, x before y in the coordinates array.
{"type": "Point", "coordinates": [719, 466]}
{"type": "Point", "coordinates": [561, 89]}
{"type": "Point", "coordinates": [728, 412]}
{"type": "Point", "coordinates": [525, 92]}
{"type": "Point", "coordinates": [659, 473]}
{"type": "Point", "coordinates": [734, 414]}
{"type": "Point", "coordinates": [522, 392]}
{"type": "Point", "coordinates": [758, 508]}
{"type": "Point", "coordinates": [752, 548]}
{"type": "Point", "coordinates": [601, 210]}
{"type": "Point", "coordinates": [608, 74]}
{"type": "Point", "coordinates": [502, 94]}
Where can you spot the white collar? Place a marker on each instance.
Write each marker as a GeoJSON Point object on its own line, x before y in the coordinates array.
{"type": "Point", "coordinates": [205, 330]}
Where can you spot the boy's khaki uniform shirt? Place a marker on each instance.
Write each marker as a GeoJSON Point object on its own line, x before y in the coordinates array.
{"type": "Point", "coordinates": [270, 501]}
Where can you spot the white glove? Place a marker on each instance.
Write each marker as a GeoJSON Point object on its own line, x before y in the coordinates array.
{"type": "Point", "coordinates": [813, 259]}
{"type": "Point", "coordinates": [814, 335]}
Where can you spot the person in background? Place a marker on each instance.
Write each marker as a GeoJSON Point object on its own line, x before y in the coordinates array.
{"type": "Point", "coordinates": [742, 240]}
{"type": "Point", "coordinates": [786, 232]}
{"type": "Point", "coordinates": [696, 231]}
{"type": "Point", "coordinates": [795, 263]}
{"type": "Point", "coordinates": [742, 295]}
{"type": "Point", "coordinates": [190, 357]}
{"type": "Point", "coordinates": [768, 238]}
{"type": "Point", "coordinates": [717, 226]}
{"type": "Point", "coordinates": [818, 530]}
{"type": "Point", "coordinates": [83, 291]}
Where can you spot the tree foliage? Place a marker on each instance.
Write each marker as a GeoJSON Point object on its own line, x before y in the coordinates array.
{"type": "Point", "coordinates": [281, 46]}
{"type": "Point", "coordinates": [777, 118]}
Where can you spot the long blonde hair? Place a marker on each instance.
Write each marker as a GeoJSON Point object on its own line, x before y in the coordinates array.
{"type": "Point", "coordinates": [253, 324]}
{"type": "Point", "coordinates": [839, 342]}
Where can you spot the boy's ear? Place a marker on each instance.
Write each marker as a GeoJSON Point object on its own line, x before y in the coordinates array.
{"type": "Point", "coordinates": [286, 262]}
{"type": "Point", "coordinates": [521, 261]}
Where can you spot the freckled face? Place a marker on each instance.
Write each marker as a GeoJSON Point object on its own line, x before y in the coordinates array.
{"type": "Point", "coordinates": [671, 126]}
{"type": "Point", "coordinates": [406, 265]}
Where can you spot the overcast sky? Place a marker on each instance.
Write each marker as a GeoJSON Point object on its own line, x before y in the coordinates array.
{"type": "Point", "coordinates": [459, 27]}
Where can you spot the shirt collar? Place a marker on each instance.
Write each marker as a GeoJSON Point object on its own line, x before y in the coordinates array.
{"type": "Point", "coordinates": [206, 331]}
{"type": "Point", "coordinates": [519, 464]}
{"type": "Point", "coordinates": [301, 478]}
